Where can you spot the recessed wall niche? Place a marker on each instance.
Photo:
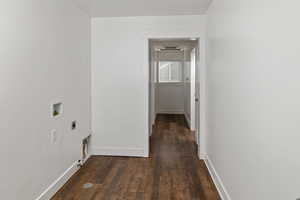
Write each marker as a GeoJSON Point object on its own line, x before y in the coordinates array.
{"type": "Point", "coordinates": [56, 109]}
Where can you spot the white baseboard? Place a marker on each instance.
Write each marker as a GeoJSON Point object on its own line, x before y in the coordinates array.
{"type": "Point", "coordinates": [201, 155]}
{"type": "Point", "coordinates": [86, 159]}
{"type": "Point", "coordinates": [127, 152]}
{"type": "Point", "coordinates": [58, 183]}
{"type": "Point", "coordinates": [216, 178]}
{"type": "Point", "coordinates": [170, 112]}
{"type": "Point", "coordinates": [187, 120]}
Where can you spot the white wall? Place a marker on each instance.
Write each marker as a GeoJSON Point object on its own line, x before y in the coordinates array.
{"type": "Point", "coordinates": [170, 96]}
{"type": "Point", "coordinates": [253, 97]}
{"type": "Point", "coordinates": [171, 55]}
{"type": "Point", "coordinates": [190, 68]}
{"type": "Point", "coordinates": [120, 74]}
{"type": "Point", "coordinates": [152, 87]}
{"type": "Point", "coordinates": [193, 90]}
{"type": "Point", "coordinates": [187, 85]}
{"type": "Point", "coordinates": [44, 58]}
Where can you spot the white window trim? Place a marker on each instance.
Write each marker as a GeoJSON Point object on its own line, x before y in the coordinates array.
{"type": "Point", "coordinates": [169, 71]}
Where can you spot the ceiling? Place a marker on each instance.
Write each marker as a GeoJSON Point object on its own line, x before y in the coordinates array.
{"type": "Point", "coordinates": [179, 43]}
{"type": "Point", "coordinates": [120, 8]}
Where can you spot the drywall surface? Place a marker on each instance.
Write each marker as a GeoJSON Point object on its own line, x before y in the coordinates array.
{"type": "Point", "coordinates": [187, 85]}
{"type": "Point", "coordinates": [170, 98]}
{"type": "Point", "coordinates": [170, 55]}
{"type": "Point", "coordinates": [170, 95]}
{"type": "Point", "coordinates": [45, 58]}
{"type": "Point", "coordinates": [193, 89]}
{"type": "Point", "coordinates": [116, 8]}
{"type": "Point", "coordinates": [152, 87]}
{"type": "Point", "coordinates": [253, 97]}
{"type": "Point", "coordinates": [120, 78]}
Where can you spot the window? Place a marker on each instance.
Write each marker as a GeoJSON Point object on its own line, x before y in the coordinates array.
{"type": "Point", "coordinates": [170, 72]}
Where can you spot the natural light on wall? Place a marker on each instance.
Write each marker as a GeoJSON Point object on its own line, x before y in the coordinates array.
{"type": "Point", "coordinates": [170, 72]}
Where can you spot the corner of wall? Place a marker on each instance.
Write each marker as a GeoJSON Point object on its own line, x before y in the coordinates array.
{"type": "Point", "coordinates": [59, 182]}
{"type": "Point", "coordinates": [215, 177]}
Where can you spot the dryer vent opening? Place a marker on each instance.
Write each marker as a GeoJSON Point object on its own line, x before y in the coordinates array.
{"type": "Point", "coordinates": [85, 149]}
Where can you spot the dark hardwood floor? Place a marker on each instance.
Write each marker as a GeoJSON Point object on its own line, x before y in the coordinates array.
{"type": "Point", "coordinates": [172, 172]}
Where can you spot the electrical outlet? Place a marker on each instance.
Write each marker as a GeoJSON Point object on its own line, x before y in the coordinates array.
{"type": "Point", "coordinates": [53, 136]}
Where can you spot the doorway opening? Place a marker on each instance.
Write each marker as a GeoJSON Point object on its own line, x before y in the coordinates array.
{"type": "Point", "coordinates": [174, 82]}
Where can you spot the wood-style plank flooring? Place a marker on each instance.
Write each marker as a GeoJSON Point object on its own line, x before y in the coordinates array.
{"type": "Point", "coordinates": [173, 171]}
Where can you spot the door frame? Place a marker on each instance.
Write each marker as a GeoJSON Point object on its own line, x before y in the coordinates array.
{"type": "Point", "coordinates": [200, 93]}
{"type": "Point", "coordinates": [194, 98]}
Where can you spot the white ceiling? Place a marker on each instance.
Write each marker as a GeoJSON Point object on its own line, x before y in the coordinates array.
{"type": "Point", "coordinates": [179, 43]}
{"type": "Point", "coordinates": [118, 8]}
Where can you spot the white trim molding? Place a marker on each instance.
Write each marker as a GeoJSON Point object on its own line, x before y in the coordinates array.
{"type": "Point", "coordinates": [216, 178]}
{"type": "Point", "coordinates": [111, 151]}
{"type": "Point", "coordinates": [170, 111]}
{"type": "Point", "coordinates": [187, 120]}
{"type": "Point", "coordinates": [201, 155]}
{"type": "Point", "coordinates": [58, 183]}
